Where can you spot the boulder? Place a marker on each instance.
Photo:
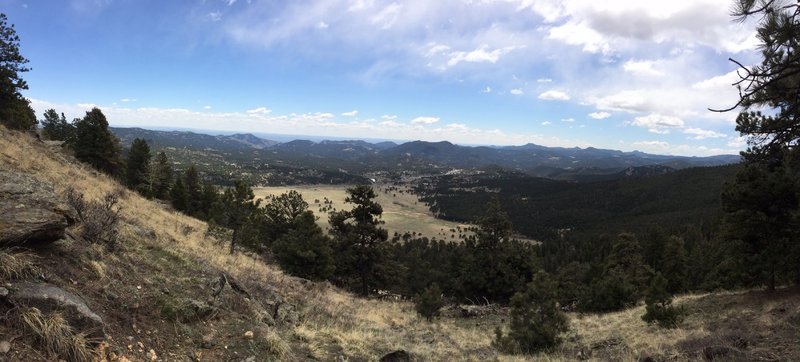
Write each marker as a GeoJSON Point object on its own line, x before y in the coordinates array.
{"type": "Point", "coordinates": [32, 213]}
{"type": "Point", "coordinates": [397, 356]}
{"type": "Point", "coordinates": [49, 298]}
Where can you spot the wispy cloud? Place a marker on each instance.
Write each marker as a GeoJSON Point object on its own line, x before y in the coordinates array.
{"type": "Point", "coordinates": [554, 95]}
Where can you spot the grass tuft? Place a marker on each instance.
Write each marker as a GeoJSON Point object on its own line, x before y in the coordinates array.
{"type": "Point", "coordinates": [56, 336]}
{"type": "Point", "coordinates": [17, 264]}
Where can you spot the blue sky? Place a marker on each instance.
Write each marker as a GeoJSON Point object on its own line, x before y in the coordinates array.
{"type": "Point", "coordinates": [629, 75]}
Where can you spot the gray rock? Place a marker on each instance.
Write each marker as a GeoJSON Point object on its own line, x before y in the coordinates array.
{"type": "Point", "coordinates": [5, 346]}
{"type": "Point", "coordinates": [397, 356]}
{"type": "Point", "coordinates": [193, 310]}
{"type": "Point", "coordinates": [49, 298]}
{"type": "Point", "coordinates": [3, 292]}
{"type": "Point", "coordinates": [32, 213]}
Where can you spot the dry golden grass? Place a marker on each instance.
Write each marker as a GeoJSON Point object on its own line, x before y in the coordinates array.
{"type": "Point", "coordinates": [16, 263]}
{"type": "Point", "coordinates": [402, 212]}
{"type": "Point", "coordinates": [56, 336]}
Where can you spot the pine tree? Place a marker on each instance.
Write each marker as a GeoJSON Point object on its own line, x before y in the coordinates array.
{"type": "Point", "coordinates": [15, 110]}
{"type": "Point", "coordinates": [304, 250]}
{"type": "Point", "coordinates": [361, 243]}
{"type": "Point", "coordinates": [536, 322]}
{"type": "Point", "coordinates": [178, 196]}
{"type": "Point", "coordinates": [193, 192]}
{"type": "Point", "coordinates": [138, 164]}
{"type": "Point", "coordinates": [237, 210]}
{"type": "Point", "coordinates": [674, 264]}
{"type": "Point", "coordinates": [429, 302]}
{"type": "Point", "coordinates": [95, 144]}
{"type": "Point", "coordinates": [659, 309]}
{"type": "Point", "coordinates": [160, 178]}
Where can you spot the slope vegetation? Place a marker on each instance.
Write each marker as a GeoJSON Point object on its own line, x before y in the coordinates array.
{"type": "Point", "coordinates": [156, 294]}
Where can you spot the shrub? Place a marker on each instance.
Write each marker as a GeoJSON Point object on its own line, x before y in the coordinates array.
{"type": "Point", "coordinates": [98, 219]}
{"type": "Point", "coordinates": [536, 321]}
{"type": "Point", "coordinates": [659, 309]}
{"type": "Point", "coordinates": [429, 302]}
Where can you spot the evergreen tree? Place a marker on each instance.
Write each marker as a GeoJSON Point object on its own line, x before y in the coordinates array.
{"type": "Point", "coordinates": [304, 250]}
{"type": "Point", "coordinates": [659, 309]}
{"type": "Point", "coordinates": [760, 221]}
{"type": "Point", "coordinates": [361, 243]}
{"type": "Point", "coordinates": [536, 321]}
{"type": "Point", "coordinates": [499, 265]}
{"type": "Point", "coordinates": [208, 196]}
{"type": "Point", "coordinates": [95, 144]}
{"type": "Point", "coordinates": [138, 164]}
{"type": "Point", "coordinates": [429, 302]}
{"type": "Point", "coordinates": [178, 196]}
{"type": "Point", "coordinates": [160, 178]}
{"type": "Point", "coordinates": [280, 212]}
{"type": "Point", "coordinates": [761, 206]}
{"type": "Point", "coordinates": [674, 264]}
{"type": "Point", "coordinates": [624, 277]}
{"type": "Point", "coordinates": [193, 192]}
{"type": "Point", "coordinates": [237, 210]}
{"type": "Point", "coordinates": [15, 110]}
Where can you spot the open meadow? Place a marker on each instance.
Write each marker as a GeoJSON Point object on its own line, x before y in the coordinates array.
{"type": "Point", "coordinates": [402, 210]}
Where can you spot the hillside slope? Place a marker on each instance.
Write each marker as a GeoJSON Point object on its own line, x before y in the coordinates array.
{"type": "Point", "coordinates": [155, 295]}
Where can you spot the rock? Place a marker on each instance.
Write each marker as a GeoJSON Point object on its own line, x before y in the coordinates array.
{"type": "Point", "coordinates": [248, 334]}
{"type": "Point", "coordinates": [287, 314]}
{"type": "Point", "coordinates": [712, 353]}
{"type": "Point", "coordinates": [32, 213]}
{"type": "Point", "coordinates": [49, 298]}
{"type": "Point", "coordinates": [5, 346]}
{"type": "Point", "coordinates": [397, 356]}
{"type": "Point", "coordinates": [193, 310]}
{"type": "Point", "coordinates": [3, 292]}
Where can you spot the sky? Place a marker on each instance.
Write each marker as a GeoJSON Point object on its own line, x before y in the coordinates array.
{"type": "Point", "coordinates": [618, 74]}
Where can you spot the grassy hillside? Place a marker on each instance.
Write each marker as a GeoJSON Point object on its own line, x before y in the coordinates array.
{"type": "Point", "coordinates": [164, 260]}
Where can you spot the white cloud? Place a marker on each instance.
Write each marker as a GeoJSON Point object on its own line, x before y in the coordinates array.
{"type": "Point", "coordinates": [517, 92]}
{"type": "Point", "coordinates": [626, 101]}
{"type": "Point", "coordinates": [544, 80]}
{"type": "Point", "coordinates": [554, 95]}
{"type": "Point", "coordinates": [352, 113]}
{"type": "Point", "coordinates": [658, 123]}
{"type": "Point", "coordinates": [323, 25]}
{"type": "Point", "coordinates": [737, 142]}
{"type": "Point", "coordinates": [701, 134]}
{"type": "Point", "coordinates": [487, 90]}
{"type": "Point", "coordinates": [546, 123]}
{"type": "Point", "coordinates": [126, 100]}
{"type": "Point", "coordinates": [599, 115]}
{"type": "Point", "coordinates": [425, 120]}
{"type": "Point", "coordinates": [214, 16]}
{"type": "Point", "coordinates": [206, 107]}
{"type": "Point", "coordinates": [642, 68]}
{"type": "Point", "coordinates": [259, 110]}
{"type": "Point", "coordinates": [389, 116]}
{"type": "Point", "coordinates": [479, 55]}
{"type": "Point", "coordinates": [568, 120]}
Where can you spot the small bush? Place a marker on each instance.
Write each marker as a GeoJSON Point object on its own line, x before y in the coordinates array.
{"type": "Point", "coordinates": [99, 219]}
{"type": "Point", "coordinates": [659, 309]}
{"type": "Point", "coordinates": [429, 302]}
{"type": "Point", "coordinates": [536, 321]}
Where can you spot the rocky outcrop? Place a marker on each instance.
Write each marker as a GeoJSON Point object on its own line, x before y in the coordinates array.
{"type": "Point", "coordinates": [31, 211]}
{"type": "Point", "coordinates": [49, 298]}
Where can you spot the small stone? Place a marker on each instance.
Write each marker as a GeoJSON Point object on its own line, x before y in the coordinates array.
{"type": "Point", "coordinates": [3, 292]}
{"type": "Point", "coordinates": [152, 355]}
{"type": "Point", "coordinates": [5, 346]}
{"type": "Point", "coordinates": [140, 344]}
{"type": "Point", "coordinates": [248, 334]}
{"type": "Point", "coordinates": [250, 359]}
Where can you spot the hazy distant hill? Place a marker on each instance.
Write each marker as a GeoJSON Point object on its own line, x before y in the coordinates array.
{"type": "Point", "coordinates": [576, 164]}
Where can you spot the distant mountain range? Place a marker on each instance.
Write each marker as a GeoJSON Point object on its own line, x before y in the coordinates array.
{"type": "Point", "coordinates": [551, 162]}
